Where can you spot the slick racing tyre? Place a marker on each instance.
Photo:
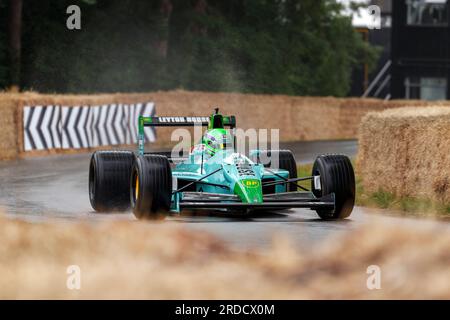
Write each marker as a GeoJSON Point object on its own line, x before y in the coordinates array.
{"type": "Point", "coordinates": [286, 161]}
{"type": "Point", "coordinates": [336, 176]}
{"type": "Point", "coordinates": [109, 180]}
{"type": "Point", "coordinates": [151, 187]}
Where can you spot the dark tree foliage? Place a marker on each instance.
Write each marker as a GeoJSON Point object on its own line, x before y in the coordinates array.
{"type": "Point", "coordinates": [301, 47]}
{"type": "Point", "coordinates": [4, 70]}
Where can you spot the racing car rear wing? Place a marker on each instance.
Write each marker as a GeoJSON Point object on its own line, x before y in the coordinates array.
{"type": "Point", "coordinates": [228, 121]}
{"type": "Point", "coordinates": [214, 121]}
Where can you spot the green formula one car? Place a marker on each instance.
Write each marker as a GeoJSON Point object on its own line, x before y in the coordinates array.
{"type": "Point", "coordinates": [216, 177]}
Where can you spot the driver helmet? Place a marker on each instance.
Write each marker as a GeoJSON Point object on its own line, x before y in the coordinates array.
{"type": "Point", "coordinates": [216, 140]}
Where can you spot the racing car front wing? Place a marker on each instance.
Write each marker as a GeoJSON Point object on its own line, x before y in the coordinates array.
{"type": "Point", "coordinates": [195, 200]}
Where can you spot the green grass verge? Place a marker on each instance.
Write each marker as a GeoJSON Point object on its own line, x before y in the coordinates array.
{"type": "Point", "coordinates": [304, 171]}
{"type": "Point", "coordinates": [386, 200]}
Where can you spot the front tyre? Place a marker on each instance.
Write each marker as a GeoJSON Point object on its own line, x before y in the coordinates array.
{"type": "Point", "coordinates": [109, 178]}
{"type": "Point", "coordinates": [336, 176]}
{"type": "Point", "coordinates": [151, 187]}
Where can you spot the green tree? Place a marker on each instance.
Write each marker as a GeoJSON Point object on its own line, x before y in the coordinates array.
{"type": "Point", "coordinates": [3, 47]}
{"type": "Point", "coordinates": [297, 47]}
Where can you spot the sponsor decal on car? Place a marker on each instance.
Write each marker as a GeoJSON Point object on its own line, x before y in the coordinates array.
{"type": "Point", "coordinates": [182, 119]}
{"type": "Point", "coordinates": [251, 183]}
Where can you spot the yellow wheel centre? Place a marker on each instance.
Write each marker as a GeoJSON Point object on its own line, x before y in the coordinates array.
{"type": "Point", "coordinates": [137, 188]}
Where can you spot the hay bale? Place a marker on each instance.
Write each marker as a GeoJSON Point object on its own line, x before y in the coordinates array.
{"type": "Point", "coordinates": [297, 118]}
{"type": "Point", "coordinates": [406, 151]}
{"type": "Point", "coordinates": [125, 260]}
{"type": "Point", "coordinates": [8, 127]}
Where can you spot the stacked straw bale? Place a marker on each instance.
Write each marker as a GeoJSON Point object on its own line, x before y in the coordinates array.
{"type": "Point", "coordinates": [406, 151]}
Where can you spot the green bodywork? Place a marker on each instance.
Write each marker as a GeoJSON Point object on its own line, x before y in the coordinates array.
{"type": "Point", "coordinates": [249, 190]}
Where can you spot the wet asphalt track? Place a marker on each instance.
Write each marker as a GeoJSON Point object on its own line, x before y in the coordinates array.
{"type": "Point", "coordinates": [44, 189]}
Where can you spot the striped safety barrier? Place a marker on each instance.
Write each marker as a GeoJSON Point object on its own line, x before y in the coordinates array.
{"type": "Point", "coordinates": [77, 127]}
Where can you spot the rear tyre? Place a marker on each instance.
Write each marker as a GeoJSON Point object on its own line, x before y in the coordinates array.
{"type": "Point", "coordinates": [109, 178]}
{"type": "Point", "coordinates": [286, 161]}
{"type": "Point", "coordinates": [151, 187]}
{"type": "Point", "coordinates": [336, 176]}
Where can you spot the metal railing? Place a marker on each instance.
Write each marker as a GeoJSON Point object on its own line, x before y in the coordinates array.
{"type": "Point", "coordinates": [383, 78]}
